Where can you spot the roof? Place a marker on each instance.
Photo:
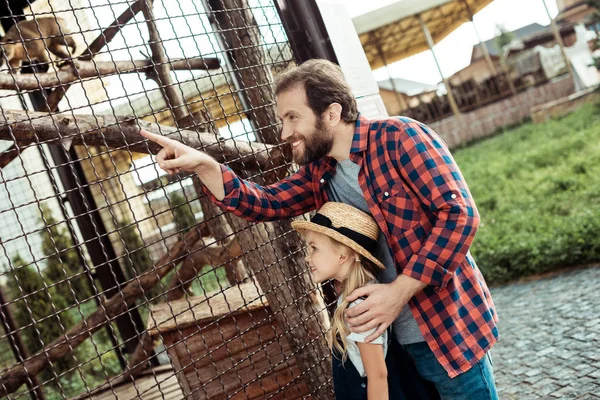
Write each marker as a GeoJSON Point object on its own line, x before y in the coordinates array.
{"type": "Point", "coordinates": [492, 46]}
{"type": "Point", "coordinates": [408, 87]}
{"type": "Point", "coordinates": [396, 29]}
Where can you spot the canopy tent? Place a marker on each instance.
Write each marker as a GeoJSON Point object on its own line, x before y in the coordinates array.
{"type": "Point", "coordinates": [395, 32]}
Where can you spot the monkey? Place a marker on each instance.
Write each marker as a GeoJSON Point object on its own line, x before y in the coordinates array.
{"type": "Point", "coordinates": [35, 40]}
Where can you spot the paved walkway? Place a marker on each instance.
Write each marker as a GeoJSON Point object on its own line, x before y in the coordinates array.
{"type": "Point", "coordinates": [549, 345]}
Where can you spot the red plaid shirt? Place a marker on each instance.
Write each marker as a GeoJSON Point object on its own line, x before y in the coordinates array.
{"type": "Point", "coordinates": [420, 200]}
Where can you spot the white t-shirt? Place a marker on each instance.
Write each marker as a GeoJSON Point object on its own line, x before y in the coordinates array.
{"type": "Point", "coordinates": [354, 337]}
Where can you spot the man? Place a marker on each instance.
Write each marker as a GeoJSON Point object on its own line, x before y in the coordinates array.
{"type": "Point", "coordinates": [401, 172]}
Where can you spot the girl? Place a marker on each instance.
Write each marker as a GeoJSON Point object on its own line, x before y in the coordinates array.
{"type": "Point", "coordinates": [340, 241]}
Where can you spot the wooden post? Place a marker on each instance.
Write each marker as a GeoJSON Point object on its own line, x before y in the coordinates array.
{"type": "Point", "coordinates": [171, 92]}
{"type": "Point", "coordinates": [430, 43]}
{"type": "Point", "coordinates": [276, 259]}
{"type": "Point", "coordinates": [240, 37]}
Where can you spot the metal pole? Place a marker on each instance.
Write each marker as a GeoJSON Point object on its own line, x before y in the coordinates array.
{"type": "Point", "coordinates": [399, 99]}
{"type": "Point", "coordinates": [484, 48]}
{"type": "Point", "coordinates": [486, 52]}
{"type": "Point", "coordinates": [430, 43]}
{"type": "Point", "coordinates": [558, 39]}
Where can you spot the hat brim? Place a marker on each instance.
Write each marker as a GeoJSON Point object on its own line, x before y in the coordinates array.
{"type": "Point", "coordinates": [303, 226]}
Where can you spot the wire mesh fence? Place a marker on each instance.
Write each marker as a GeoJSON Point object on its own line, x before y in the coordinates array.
{"type": "Point", "coordinates": [120, 281]}
{"type": "Point", "coordinates": [117, 280]}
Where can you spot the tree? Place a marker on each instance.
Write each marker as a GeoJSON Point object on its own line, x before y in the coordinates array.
{"type": "Point", "coordinates": [503, 37]}
{"type": "Point", "coordinates": [35, 311]}
{"type": "Point", "coordinates": [182, 211]}
{"type": "Point", "coordinates": [136, 258]}
{"type": "Point", "coordinates": [62, 261]}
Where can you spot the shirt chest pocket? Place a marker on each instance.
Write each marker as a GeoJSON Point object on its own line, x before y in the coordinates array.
{"type": "Point", "coordinates": [398, 208]}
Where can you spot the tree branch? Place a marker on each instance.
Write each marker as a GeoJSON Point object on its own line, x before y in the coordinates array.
{"type": "Point", "coordinates": [171, 93]}
{"type": "Point", "coordinates": [122, 133]}
{"type": "Point", "coordinates": [57, 94]}
{"type": "Point", "coordinates": [109, 33]}
{"type": "Point", "coordinates": [15, 376]}
{"type": "Point", "coordinates": [182, 280]}
{"type": "Point", "coordinates": [67, 74]}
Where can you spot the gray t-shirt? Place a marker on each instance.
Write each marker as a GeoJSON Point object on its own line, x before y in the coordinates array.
{"type": "Point", "coordinates": [344, 188]}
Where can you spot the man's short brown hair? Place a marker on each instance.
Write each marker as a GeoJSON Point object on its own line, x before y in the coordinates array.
{"type": "Point", "coordinates": [324, 84]}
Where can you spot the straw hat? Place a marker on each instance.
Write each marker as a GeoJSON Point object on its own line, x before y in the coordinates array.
{"type": "Point", "coordinates": [347, 225]}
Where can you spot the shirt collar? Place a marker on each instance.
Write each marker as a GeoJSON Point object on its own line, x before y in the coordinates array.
{"type": "Point", "coordinates": [361, 134]}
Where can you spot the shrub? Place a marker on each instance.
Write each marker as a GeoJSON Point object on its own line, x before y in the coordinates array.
{"type": "Point", "coordinates": [537, 189]}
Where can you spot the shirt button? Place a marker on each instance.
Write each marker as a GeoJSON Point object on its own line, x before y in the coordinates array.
{"type": "Point", "coordinates": [386, 194]}
{"type": "Point", "coordinates": [322, 180]}
{"type": "Point", "coordinates": [363, 385]}
{"type": "Point", "coordinates": [453, 196]}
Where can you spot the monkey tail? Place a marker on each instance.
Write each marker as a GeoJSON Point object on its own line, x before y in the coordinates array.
{"type": "Point", "coordinates": [72, 43]}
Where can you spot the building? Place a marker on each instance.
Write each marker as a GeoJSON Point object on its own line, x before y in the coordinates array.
{"type": "Point", "coordinates": [478, 69]}
{"type": "Point", "coordinates": [573, 11]}
{"type": "Point", "coordinates": [403, 93]}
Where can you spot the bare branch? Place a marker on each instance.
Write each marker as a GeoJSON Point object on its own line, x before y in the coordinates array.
{"type": "Point", "coordinates": [182, 280]}
{"type": "Point", "coordinates": [110, 32]}
{"type": "Point", "coordinates": [67, 74]}
{"type": "Point", "coordinates": [172, 94]}
{"type": "Point", "coordinates": [15, 376]}
{"type": "Point", "coordinates": [122, 133]}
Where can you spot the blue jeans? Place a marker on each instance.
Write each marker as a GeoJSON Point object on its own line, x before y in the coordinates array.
{"type": "Point", "coordinates": [475, 384]}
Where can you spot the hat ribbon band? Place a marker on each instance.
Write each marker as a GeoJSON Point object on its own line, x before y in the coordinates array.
{"type": "Point", "coordinates": [366, 242]}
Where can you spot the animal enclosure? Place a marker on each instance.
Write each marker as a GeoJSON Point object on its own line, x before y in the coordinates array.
{"type": "Point", "coordinates": [109, 268]}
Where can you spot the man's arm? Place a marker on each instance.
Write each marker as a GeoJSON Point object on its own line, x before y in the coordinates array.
{"type": "Point", "coordinates": [287, 198]}
{"type": "Point", "coordinates": [426, 164]}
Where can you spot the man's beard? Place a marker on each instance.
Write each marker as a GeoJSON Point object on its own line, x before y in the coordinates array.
{"type": "Point", "coordinates": [316, 145]}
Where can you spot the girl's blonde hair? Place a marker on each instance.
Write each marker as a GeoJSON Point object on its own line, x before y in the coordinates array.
{"type": "Point", "coordinates": [359, 275]}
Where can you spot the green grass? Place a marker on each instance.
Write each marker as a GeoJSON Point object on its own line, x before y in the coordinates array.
{"type": "Point", "coordinates": [537, 188]}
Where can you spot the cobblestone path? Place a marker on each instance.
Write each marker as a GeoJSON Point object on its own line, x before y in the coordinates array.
{"type": "Point", "coordinates": [549, 345]}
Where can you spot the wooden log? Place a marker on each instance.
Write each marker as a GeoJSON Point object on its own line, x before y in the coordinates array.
{"type": "Point", "coordinates": [161, 68]}
{"type": "Point", "coordinates": [57, 94]}
{"type": "Point", "coordinates": [69, 73]}
{"type": "Point", "coordinates": [122, 133]}
{"type": "Point", "coordinates": [278, 263]}
{"type": "Point", "coordinates": [241, 37]}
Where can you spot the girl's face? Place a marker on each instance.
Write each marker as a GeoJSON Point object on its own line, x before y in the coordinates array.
{"type": "Point", "coordinates": [325, 260]}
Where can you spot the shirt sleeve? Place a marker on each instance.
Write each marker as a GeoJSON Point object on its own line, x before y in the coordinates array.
{"type": "Point", "coordinates": [362, 336]}
{"type": "Point", "coordinates": [289, 197]}
{"type": "Point", "coordinates": [425, 163]}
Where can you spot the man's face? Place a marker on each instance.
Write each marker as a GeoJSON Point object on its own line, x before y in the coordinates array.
{"type": "Point", "coordinates": [302, 129]}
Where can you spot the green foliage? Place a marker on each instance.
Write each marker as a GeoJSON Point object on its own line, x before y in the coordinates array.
{"type": "Point", "coordinates": [137, 259]}
{"type": "Point", "coordinates": [537, 189]}
{"type": "Point", "coordinates": [503, 37]}
{"type": "Point", "coordinates": [38, 311]}
{"type": "Point", "coordinates": [184, 216]}
{"type": "Point", "coordinates": [62, 261]}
